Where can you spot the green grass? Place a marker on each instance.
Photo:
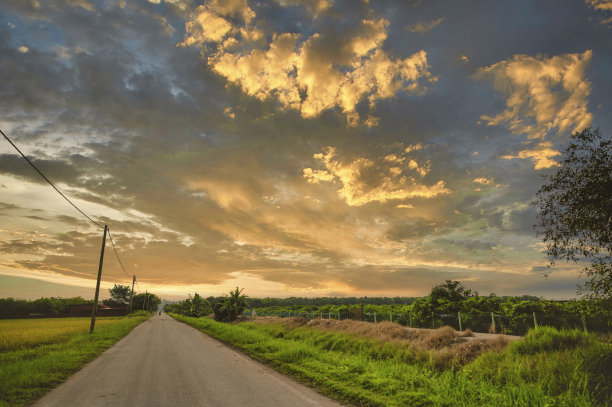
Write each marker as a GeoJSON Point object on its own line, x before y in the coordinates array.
{"type": "Point", "coordinates": [38, 354]}
{"type": "Point", "coordinates": [546, 368]}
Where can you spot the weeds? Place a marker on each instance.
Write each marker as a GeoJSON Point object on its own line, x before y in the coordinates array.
{"type": "Point", "coordinates": [371, 365]}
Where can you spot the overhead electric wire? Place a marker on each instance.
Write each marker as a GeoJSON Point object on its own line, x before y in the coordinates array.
{"type": "Point", "coordinates": [47, 179]}
{"type": "Point", "coordinates": [68, 200]}
{"type": "Point", "coordinates": [117, 255]}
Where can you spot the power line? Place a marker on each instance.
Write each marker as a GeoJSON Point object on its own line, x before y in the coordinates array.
{"type": "Point", "coordinates": [68, 200]}
{"type": "Point", "coordinates": [117, 255]}
{"type": "Point", "coordinates": [47, 179]}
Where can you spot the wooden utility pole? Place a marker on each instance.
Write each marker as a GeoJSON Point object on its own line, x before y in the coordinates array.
{"type": "Point", "coordinates": [145, 300]}
{"type": "Point", "coordinates": [95, 304]}
{"type": "Point", "coordinates": [132, 296]}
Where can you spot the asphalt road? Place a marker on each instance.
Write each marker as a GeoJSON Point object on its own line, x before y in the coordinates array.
{"type": "Point", "coordinates": [163, 362]}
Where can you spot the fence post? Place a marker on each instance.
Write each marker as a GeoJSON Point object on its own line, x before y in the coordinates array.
{"type": "Point", "coordinates": [321, 314]}
{"type": "Point", "coordinates": [584, 323]}
{"type": "Point", "coordinates": [459, 316]}
{"type": "Point", "coordinates": [410, 319]}
{"type": "Point", "coordinates": [535, 321]}
{"type": "Point", "coordinates": [433, 321]}
{"type": "Point", "coordinates": [338, 315]}
{"type": "Point", "coordinates": [493, 323]}
{"type": "Point", "coordinates": [391, 316]}
{"type": "Point", "coordinates": [374, 316]}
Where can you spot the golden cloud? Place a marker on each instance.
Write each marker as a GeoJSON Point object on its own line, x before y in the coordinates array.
{"type": "Point", "coordinates": [542, 93]}
{"type": "Point", "coordinates": [364, 180]}
{"type": "Point", "coordinates": [605, 5]}
{"type": "Point", "coordinates": [484, 181]}
{"type": "Point", "coordinates": [541, 155]}
{"type": "Point", "coordinates": [304, 74]}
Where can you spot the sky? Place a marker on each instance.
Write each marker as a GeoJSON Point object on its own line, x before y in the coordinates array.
{"type": "Point", "coordinates": [291, 147]}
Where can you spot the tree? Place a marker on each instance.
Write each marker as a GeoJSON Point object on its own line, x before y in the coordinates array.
{"type": "Point", "coordinates": [147, 301]}
{"type": "Point", "coordinates": [196, 306]}
{"type": "Point", "coordinates": [449, 297]}
{"type": "Point", "coordinates": [575, 210]}
{"type": "Point", "coordinates": [119, 295]}
{"type": "Point", "coordinates": [231, 306]}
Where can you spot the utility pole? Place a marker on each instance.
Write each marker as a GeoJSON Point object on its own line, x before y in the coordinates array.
{"type": "Point", "coordinates": [132, 297]}
{"type": "Point", "coordinates": [95, 304]}
{"type": "Point", "coordinates": [145, 300]}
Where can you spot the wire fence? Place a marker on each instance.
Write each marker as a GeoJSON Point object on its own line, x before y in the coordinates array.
{"type": "Point", "coordinates": [517, 324]}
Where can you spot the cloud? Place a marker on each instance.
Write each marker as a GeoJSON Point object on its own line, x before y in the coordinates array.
{"type": "Point", "coordinates": [542, 155]}
{"type": "Point", "coordinates": [314, 7]}
{"type": "Point", "coordinates": [542, 94]}
{"type": "Point", "coordinates": [308, 73]}
{"type": "Point", "coordinates": [365, 180]}
{"type": "Point", "coordinates": [545, 97]}
{"type": "Point", "coordinates": [484, 181]}
{"type": "Point", "coordinates": [124, 120]}
{"type": "Point", "coordinates": [605, 5]}
{"type": "Point", "coordinates": [423, 27]}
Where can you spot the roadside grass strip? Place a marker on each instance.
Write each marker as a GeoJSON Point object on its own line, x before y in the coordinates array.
{"type": "Point", "coordinates": [546, 368]}
{"type": "Point", "coordinates": [38, 354]}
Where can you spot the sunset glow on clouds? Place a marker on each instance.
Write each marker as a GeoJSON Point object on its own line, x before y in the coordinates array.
{"type": "Point", "coordinates": [364, 180]}
{"type": "Point", "coordinates": [293, 147]}
{"type": "Point", "coordinates": [309, 74]}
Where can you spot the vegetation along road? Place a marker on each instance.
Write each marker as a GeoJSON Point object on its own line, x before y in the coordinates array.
{"type": "Point", "coordinates": [163, 362]}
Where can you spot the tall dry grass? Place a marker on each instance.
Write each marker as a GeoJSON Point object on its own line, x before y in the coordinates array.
{"type": "Point", "coordinates": [443, 347]}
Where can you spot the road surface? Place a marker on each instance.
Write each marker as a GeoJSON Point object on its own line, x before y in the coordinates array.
{"type": "Point", "coordinates": [163, 362]}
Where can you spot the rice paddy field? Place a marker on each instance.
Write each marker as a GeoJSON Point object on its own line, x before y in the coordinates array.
{"type": "Point", "coordinates": [365, 364]}
{"type": "Point", "coordinates": [38, 354]}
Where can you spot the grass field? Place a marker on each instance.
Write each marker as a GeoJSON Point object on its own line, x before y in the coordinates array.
{"type": "Point", "coordinates": [383, 365]}
{"type": "Point", "coordinates": [38, 354]}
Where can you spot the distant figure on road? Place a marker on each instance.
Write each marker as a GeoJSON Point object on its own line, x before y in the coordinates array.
{"type": "Point", "coordinates": [159, 312]}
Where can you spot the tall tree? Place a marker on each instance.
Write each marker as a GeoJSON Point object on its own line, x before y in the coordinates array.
{"type": "Point", "coordinates": [575, 210]}
{"type": "Point", "coordinates": [120, 294]}
{"type": "Point", "coordinates": [449, 297]}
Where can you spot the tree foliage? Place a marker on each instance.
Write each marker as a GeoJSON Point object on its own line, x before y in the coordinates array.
{"type": "Point", "coordinates": [231, 306]}
{"type": "Point", "coordinates": [195, 306]}
{"type": "Point", "coordinates": [119, 295]}
{"type": "Point", "coordinates": [450, 296]}
{"type": "Point", "coordinates": [146, 301]}
{"type": "Point", "coordinates": [575, 209]}
{"type": "Point", "coordinates": [11, 307]}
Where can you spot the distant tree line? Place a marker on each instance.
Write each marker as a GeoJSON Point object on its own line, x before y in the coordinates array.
{"type": "Point", "coordinates": [343, 301]}
{"type": "Point", "coordinates": [55, 306]}
{"type": "Point", "coordinates": [446, 301]}
{"type": "Point", "coordinates": [47, 306]}
{"type": "Point", "coordinates": [320, 301]}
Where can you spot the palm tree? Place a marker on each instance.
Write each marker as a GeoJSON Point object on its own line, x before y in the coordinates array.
{"type": "Point", "coordinates": [234, 304]}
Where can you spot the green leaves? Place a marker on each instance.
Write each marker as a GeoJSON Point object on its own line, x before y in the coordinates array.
{"type": "Point", "coordinates": [575, 209]}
